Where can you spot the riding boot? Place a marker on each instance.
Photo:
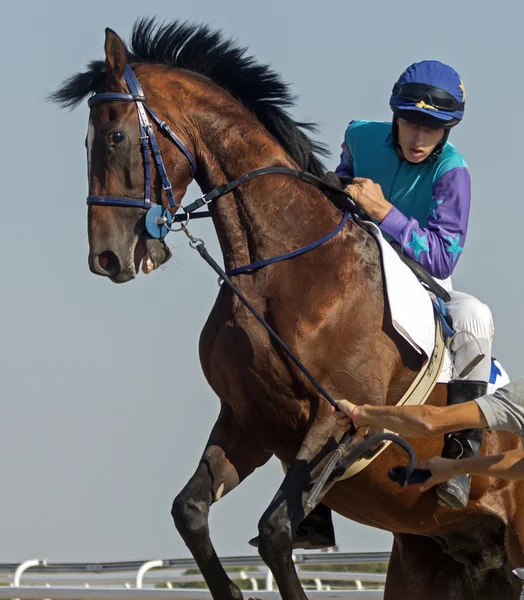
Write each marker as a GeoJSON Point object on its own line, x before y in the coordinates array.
{"type": "Point", "coordinates": [316, 531]}
{"type": "Point", "coordinates": [462, 444]}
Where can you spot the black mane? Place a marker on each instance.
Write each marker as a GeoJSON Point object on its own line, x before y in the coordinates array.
{"type": "Point", "coordinates": [199, 49]}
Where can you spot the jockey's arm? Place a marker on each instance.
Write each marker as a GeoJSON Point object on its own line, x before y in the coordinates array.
{"type": "Point", "coordinates": [438, 245]}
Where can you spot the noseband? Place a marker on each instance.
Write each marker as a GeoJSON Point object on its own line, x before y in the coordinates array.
{"type": "Point", "coordinates": [158, 218]}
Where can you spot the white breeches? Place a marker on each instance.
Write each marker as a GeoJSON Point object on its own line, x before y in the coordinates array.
{"type": "Point", "coordinates": [473, 323]}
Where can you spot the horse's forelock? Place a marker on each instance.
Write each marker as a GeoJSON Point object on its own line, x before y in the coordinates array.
{"type": "Point", "coordinates": [75, 89]}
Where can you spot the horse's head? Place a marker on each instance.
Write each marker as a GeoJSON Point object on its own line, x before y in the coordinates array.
{"type": "Point", "coordinates": [117, 169]}
{"type": "Point", "coordinates": [215, 100]}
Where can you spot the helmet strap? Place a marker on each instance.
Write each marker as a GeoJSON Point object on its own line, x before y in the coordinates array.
{"type": "Point", "coordinates": [439, 147]}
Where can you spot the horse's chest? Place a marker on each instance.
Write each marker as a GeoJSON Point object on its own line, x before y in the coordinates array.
{"type": "Point", "coordinates": [242, 366]}
{"type": "Point", "coordinates": [241, 352]}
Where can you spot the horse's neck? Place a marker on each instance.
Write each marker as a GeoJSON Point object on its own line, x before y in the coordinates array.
{"type": "Point", "coordinates": [268, 215]}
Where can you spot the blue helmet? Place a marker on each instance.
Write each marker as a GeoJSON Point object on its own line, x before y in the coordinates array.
{"type": "Point", "coordinates": [430, 93]}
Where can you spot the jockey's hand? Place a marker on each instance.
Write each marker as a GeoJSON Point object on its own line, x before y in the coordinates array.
{"type": "Point", "coordinates": [442, 469]}
{"type": "Point", "coordinates": [345, 416]}
{"type": "Point", "coordinates": [369, 197]}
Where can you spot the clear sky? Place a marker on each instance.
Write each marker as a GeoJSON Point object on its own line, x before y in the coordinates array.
{"type": "Point", "coordinates": [104, 410]}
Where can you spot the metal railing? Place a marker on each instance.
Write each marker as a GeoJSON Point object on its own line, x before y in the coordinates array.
{"type": "Point", "coordinates": [167, 578]}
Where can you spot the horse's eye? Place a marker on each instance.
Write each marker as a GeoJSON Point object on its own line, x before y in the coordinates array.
{"type": "Point", "coordinates": [116, 137]}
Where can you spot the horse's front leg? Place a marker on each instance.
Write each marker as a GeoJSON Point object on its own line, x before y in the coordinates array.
{"type": "Point", "coordinates": [280, 521]}
{"type": "Point", "coordinates": [229, 457]}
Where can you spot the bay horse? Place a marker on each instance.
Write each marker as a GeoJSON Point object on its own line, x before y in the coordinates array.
{"type": "Point", "coordinates": [229, 115]}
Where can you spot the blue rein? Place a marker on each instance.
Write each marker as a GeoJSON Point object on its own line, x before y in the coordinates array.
{"type": "Point", "coordinates": [269, 261]}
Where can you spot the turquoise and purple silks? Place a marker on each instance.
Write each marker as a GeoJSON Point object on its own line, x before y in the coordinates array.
{"type": "Point", "coordinates": [431, 200]}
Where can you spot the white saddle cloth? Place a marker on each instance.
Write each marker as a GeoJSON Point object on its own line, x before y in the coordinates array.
{"type": "Point", "coordinates": [412, 310]}
{"type": "Point", "coordinates": [409, 303]}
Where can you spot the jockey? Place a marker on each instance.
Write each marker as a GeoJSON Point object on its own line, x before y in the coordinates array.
{"type": "Point", "coordinates": [416, 186]}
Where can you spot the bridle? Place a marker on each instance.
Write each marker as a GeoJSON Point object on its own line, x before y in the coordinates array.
{"type": "Point", "coordinates": [158, 218]}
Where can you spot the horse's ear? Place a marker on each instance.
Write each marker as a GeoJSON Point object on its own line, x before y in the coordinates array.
{"type": "Point", "coordinates": [116, 56]}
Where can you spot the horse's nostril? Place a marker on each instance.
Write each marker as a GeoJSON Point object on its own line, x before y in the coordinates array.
{"type": "Point", "coordinates": [103, 259]}
{"type": "Point", "coordinates": [108, 262]}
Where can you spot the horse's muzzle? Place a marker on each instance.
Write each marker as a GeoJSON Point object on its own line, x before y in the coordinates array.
{"type": "Point", "coordinates": [108, 264]}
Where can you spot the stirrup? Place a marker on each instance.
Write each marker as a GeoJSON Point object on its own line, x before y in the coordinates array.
{"type": "Point", "coordinates": [455, 492]}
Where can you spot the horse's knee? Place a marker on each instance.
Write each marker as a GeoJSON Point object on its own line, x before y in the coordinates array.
{"type": "Point", "coordinates": [275, 535]}
{"type": "Point", "coordinates": [189, 515]}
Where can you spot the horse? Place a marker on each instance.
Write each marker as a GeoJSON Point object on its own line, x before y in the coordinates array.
{"type": "Point", "coordinates": [229, 115]}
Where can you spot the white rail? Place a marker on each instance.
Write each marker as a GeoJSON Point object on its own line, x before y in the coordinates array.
{"type": "Point", "coordinates": [175, 577]}
{"type": "Point", "coordinates": [42, 593]}
{"type": "Point", "coordinates": [128, 580]}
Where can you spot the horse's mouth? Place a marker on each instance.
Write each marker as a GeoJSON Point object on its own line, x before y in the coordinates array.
{"type": "Point", "coordinates": [119, 266]}
{"type": "Point", "coordinates": [141, 256]}
{"type": "Point", "coordinates": [150, 254]}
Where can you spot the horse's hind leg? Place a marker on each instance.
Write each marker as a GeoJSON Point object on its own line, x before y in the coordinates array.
{"type": "Point", "coordinates": [515, 531]}
{"type": "Point", "coordinates": [412, 567]}
{"type": "Point", "coordinates": [421, 567]}
{"type": "Point", "coordinates": [229, 457]}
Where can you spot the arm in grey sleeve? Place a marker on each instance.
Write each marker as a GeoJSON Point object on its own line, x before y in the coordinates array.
{"type": "Point", "coordinates": [504, 409]}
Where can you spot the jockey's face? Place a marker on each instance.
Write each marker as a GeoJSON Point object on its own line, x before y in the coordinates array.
{"type": "Point", "coordinates": [417, 142]}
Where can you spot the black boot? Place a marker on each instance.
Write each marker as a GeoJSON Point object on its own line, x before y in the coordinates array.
{"type": "Point", "coordinates": [463, 444]}
{"type": "Point", "coordinates": [316, 531]}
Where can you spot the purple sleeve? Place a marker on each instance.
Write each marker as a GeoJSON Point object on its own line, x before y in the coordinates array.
{"type": "Point", "coordinates": [345, 168]}
{"type": "Point", "coordinates": [438, 246]}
